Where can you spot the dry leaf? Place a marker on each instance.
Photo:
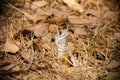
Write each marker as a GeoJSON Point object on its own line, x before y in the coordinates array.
{"type": "Point", "coordinates": [15, 69]}
{"type": "Point", "coordinates": [10, 46]}
{"type": "Point", "coordinates": [40, 15]}
{"type": "Point", "coordinates": [79, 31]}
{"type": "Point", "coordinates": [113, 64]}
{"type": "Point", "coordinates": [38, 4]}
{"type": "Point", "coordinates": [4, 63]}
{"type": "Point", "coordinates": [93, 12]}
{"type": "Point", "coordinates": [43, 14]}
{"type": "Point", "coordinates": [35, 67]}
{"type": "Point", "coordinates": [78, 20]}
{"type": "Point", "coordinates": [57, 20]}
{"type": "Point", "coordinates": [53, 28]}
{"type": "Point", "coordinates": [117, 36]}
{"type": "Point", "coordinates": [8, 67]}
{"type": "Point", "coordinates": [110, 14]}
{"type": "Point", "coordinates": [26, 55]}
{"type": "Point", "coordinates": [113, 76]}
{"type": "Point", "coordinates": [74, 5]}
{"type": "Point", "coordinates": [59, 77]}
{"type": "Point", "coordinates": [59, 13]}
{"type": "Point", "coordinates": [39, 30]}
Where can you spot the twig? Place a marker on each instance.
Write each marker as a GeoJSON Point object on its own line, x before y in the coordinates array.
{"type": "Point", "coordinates": [30, 63]}
{"type": "Point", "coordinates": [68, 60]}
{"type": "Point", "coordinates": [26, 14]}
{"type": "Point", "coordinates": [99, 25]}
{"type": "Point", "coordinates": [32, 57]}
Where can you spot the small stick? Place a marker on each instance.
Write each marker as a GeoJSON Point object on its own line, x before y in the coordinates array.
{"type": "Point", "coordinates": [68, 60]}
{"type": "Point", "coordinates": [26, 14]}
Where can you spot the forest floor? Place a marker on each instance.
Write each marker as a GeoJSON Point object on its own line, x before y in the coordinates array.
{"type": "Point", "coordinates": [34, 34]}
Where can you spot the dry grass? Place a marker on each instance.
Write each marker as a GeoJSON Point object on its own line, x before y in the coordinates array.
{"type": "Point", "coordinates": [93, 51]}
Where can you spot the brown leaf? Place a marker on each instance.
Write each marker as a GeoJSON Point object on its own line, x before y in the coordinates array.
{"type": "Point", "coordinates": [41, 15]}
{"type": "Point", "coordinates": [34, 67]}
{"type": "Point", "coordinates": [8, 67]}
{"type": "Point", "coordinates": [15, 69]}
{"type": "Point", "coordinates": [109, 14]}
{"type": "Point", "coordinates": [53, 28]}
{"type": "Point", "coordinates": [74, 5]}
{"type": "Point", "coordinates": [11, 68]}
{"type": "Point", "coordinates": [117, 36]}
{"type": "Point", "coordinates": [59, 13]}
{"type": "Point", "coordinates": [4, 63]}
{"type": "Point", "coordinates": [57, 20]}
{"type": "Point", "coordinates": [39, 29]}
{"type": "Point", "coordinates": [113, 64]}
{"type": "Point", "coordinates": [79, 31]}
{"type": "Point", "coordinates": [78, 20]}
{"type": "Point", "coordinates": [38, 4]}
{"type": "Point", "coordinates": [93, 12]}
{"type": "Point", "coordinates": [113, 76]}
{"type": "Point", "coordinates": [26, 55]}
{"type": "Point", "coordinates": [10, 46]}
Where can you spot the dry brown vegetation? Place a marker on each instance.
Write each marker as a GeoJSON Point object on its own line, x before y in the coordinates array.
{"type": "Point", "coordinates": [27, 39]}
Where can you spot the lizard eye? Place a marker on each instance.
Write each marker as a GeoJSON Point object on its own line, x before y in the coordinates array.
{"type": "Point", "coordinates": [60, 32]}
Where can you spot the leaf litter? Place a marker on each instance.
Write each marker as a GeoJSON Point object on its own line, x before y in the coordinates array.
{"type": "Point", "coordinates": [83, 32]}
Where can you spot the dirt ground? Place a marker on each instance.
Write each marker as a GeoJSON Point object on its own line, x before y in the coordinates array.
{"type": "Point", "coordinates": [59, 40]}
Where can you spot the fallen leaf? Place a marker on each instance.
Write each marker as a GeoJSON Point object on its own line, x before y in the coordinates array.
{"type": "Point", "coordinates": [58, 77]}
{"type": "Point", "coordinates": [34, 67]}
{"type": "Point", "coordinates": [109, 14]}
{"type": "Point", "coordinates": [57, 20]}
{"type": "Point", "coordinates": [58, 13]}
{"type": "Point", "coordinates": [78, 20]}
{"type": "Point", "coordinates": [15, 69]}
{"type": "Point", "coordinates": [43, 14]}
{"type": "Point", "coordinates": [8, 67]}
{"type": "Point", "coordinates": [4, 63]}
{"type": "Point", "coordinates": [74, 5]}
{"type": "Point", "coordinates": [40, 15]}
{"type": "Point", "coordinates": [113, 76]}
{"type": "Point", "coordinates": [113, 64]}
{"type": "Point", "coordinates": [38, 4]}
{"type": "Point", "coordinates": [117, 36]}
{"type": "Point", "coordinates": [10, 46]}
{"type": "Point", "coordinates": [39, 29]}
{"type": "Point", "coordinates": [26, 55]}
{"type": "Point", "coordinates": [93, 12]}
{"type": "Point", "coordinates": [11, 68]}
{"type": "Point", "coordinates": [53, 28]}
{"type": "Point", "coordinates": [79, 31]}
